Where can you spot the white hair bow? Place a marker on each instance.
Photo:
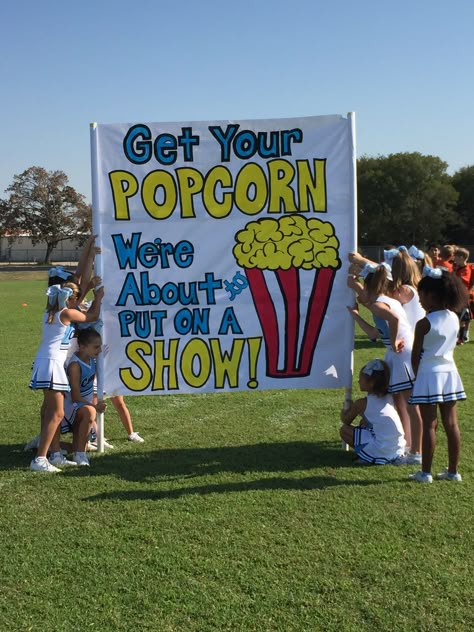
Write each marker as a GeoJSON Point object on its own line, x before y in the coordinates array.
{"type": "Point", "coordinates": [370, 268]}
{"type": "Point", "coordinates": [388, 270]}
{"type": "Point", "coordinates": [373, 365]}
{"type": "Point", "coordinates": [434, 273]}
{"type": "Point", "coordinates": [56, 293]}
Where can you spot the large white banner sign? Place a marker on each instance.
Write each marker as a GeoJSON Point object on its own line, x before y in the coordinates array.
{"type": "Point", "coordinates": [224, 248]}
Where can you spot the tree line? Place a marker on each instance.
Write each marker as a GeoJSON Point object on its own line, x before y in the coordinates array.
{"type": "Point", "coordinates": [403, 198]}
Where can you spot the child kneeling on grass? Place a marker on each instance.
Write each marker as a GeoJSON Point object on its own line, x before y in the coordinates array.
{"type": "Point", "coordinates": [80, 411]}
{"type": "Point", "coordinates": [379, 439]}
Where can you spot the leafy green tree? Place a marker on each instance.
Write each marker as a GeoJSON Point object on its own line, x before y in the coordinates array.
{"type": "Point", "coordinates": [463, 229]}
{"type": "Point", "coordinates": [43, 205]}
{"type": "Point", "coordinates": [404, 198]}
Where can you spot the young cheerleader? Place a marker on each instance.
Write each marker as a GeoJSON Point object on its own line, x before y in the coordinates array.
{"type": "Point", "coordinates": [437, 380]}
{"type": "Point", "coordinates": [405, 278]}
{"type": "Point", "coordinates": [48, 373]}
{"type": "Point", "coordinates": [380, 438]}
{"type": "Point", "coordinates": [392, 326]}
{"type": "Point", "coordinates": [79, 409]}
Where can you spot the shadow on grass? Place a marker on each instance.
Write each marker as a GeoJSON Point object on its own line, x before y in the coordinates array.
{"type": "Point", "coordinates": [196, 462]}
{"type": "Point", "coordinates": [14, 457]}
{"type": "Point", "coordinates": [266, 484]}
{"type": "Point", "coordinates": [179, 466]}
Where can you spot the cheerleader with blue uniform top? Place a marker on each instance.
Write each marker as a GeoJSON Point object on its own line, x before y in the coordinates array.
{"type": "Point", "coordinates": [79, 408]}
{"type": "Point", "coordinates": [49, 374]}
{"type": "Point", "coordinates": [437, 383]}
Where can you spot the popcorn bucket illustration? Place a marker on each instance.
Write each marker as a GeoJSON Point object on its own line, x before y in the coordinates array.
{"type": "Point", "coordinates": [283, 247]}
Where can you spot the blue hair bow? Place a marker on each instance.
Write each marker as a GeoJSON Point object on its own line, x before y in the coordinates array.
{"type": "Point", "coordinates": [59, 295]}
{"type": "Point", "coordinates": [59, 272]}
{"type": "Point", "coordinates": [388, 255]}
{"type": "Point", "coordinates": [434, 273]}
{"type": "Point", "coordinates": [373, 365]}
{"type": "Point", "coordinates": [96, 324]}
{"type": "Point", "coordinates": [415, 253]}
{"type": "Point", "coordinates": [369, 268]}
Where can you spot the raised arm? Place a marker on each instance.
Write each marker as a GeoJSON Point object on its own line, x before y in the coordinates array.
{"type": "Point", "coordinates": [86, 262]}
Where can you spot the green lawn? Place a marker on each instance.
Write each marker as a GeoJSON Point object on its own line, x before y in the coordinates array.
{"type": "Point", "coordinates": [239, 512]}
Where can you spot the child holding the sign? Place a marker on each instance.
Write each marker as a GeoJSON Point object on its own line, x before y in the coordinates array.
{"type": "Point", "coordinates": [393, 327]}
{"type": "Point", "coordinates": [49, 374]}
{"type": "Point", "coordinates": [379, 439]}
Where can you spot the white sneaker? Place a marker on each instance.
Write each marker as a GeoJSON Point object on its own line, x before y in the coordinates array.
{"type": "Point", "coordinates": [93, 446]}
{"type": "Point", "coordinates": [41, 464]}
{"type": "Point", "coordinates": [413, 458]}
{"type": "Point", "coordinates": [448, 476]}
{"type": "Point", "coordinates": [58, 459]}
{"type": "Point", "coordinates": [33, 444]}
{"type": "Point", "coordinates": [81, 458]}
{"type": "Point", "coordinates": [134, 437]}
{"type": "Point", "coordinates": [399, 460]}
{"type": "Point", "coordinates": [421, 477]}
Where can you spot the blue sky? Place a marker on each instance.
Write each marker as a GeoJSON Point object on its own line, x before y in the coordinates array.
{"type": "Point", "coordinates": [404, 68]}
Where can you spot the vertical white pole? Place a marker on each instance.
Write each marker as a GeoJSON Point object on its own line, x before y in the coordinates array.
{"type": "Point", "coordinates": [98, 270]}
{"type": "Point", "coordinates": [353, 171]}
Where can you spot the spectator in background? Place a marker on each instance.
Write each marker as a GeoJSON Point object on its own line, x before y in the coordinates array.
{"type": "Point", "coordinates": [433, 252]}
{"type": "Point", "coordinates": [445, 259]}
{"type": "Point", "coordinates": [464, 271]}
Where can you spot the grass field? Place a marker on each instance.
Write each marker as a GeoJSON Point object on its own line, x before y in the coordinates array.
{"type": "Point", "coordinates": [239, 512]}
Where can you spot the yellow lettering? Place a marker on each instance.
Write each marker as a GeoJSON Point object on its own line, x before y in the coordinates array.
{"type": "Point", "coordinates": [312, 186]}
{"type": "Point", "coordinates": [151, 183]}
{"type": "Point", "coordinates": [217, 175]}
{"type": "Point", "coordinates": [135, 351]}
{"type": "Point", "coordinates": [190, 183]}
{"type": "Point", "coordinates": [124, 186]}
{"type": "Point", "coordinates": [251, 189]}
{"type": "Point", "coordinates": [282, 196]}
{"type": "Point", "coordinates": [195, 353]}
{"type": "Point", "coordinates": [162, 362]}
{"type": "Point", "coordinates": [227, 364]}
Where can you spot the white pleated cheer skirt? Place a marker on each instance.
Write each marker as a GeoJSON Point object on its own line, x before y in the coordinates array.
{"type": "Point", "coordinates": [401, 374]}
{"type": "Point", "coordinates": [49, 374]}
{"type": "Point", "coordinates": [437, 387]}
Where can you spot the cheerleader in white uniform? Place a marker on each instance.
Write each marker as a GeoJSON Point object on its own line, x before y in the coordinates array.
{"type": "Point", "coordinates": [380, 438]}
{"type": "Point", "coordinates": [392, 326]}
{"type": "Point", "coordinates": [405, 278]}
{"type": "Point", "coordinates": [437, 382]}
{"type": "Point", "coordinates": [48, 373]}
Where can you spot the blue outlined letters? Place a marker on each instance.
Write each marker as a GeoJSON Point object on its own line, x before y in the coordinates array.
{"type": "Point", "coordinates": [129, 252]}
{"type": "Point", "coordinates": [247, 143]}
